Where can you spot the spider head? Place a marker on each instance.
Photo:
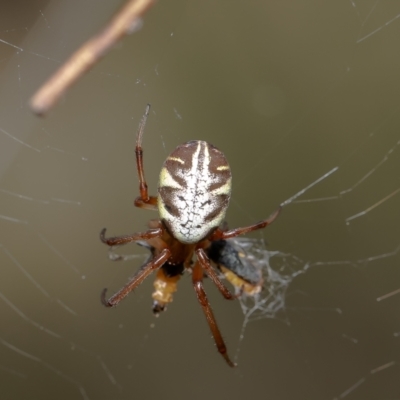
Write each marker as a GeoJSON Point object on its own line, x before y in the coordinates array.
{"type": "Point", "coordinates": [194, 191]}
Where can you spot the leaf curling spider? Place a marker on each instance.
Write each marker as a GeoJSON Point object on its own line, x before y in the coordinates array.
{"type": "Point", "coordinates": [193, 195]}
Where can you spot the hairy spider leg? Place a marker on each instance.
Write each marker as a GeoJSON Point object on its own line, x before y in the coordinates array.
{"type": "Point", "coordinates": [220, 234]}
{"type": "Point", "coordinates": [118, 240]}
{"type": "Point", "coordinates": [197, 279]}
{"type": "Point", "coordinates": [206, 265]}
{"type": "Point", "coordinates": [137, 279]}
{"type": "Point", "coordinates": [144, 200]}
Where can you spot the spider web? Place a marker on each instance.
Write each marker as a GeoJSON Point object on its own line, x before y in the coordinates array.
{"type": "Point", "coordinates": [302, 97]}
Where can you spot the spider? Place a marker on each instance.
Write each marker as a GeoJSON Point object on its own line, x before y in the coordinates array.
{"type": "Point", "coordinates": [193, 195]}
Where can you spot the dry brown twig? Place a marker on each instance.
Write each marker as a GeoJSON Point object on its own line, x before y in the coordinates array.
{"type": "Point", "coordinates": [87, 55]}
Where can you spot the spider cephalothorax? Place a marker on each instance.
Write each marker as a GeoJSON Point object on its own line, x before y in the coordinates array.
{"type": "Point", "coordinates": [193, 196]}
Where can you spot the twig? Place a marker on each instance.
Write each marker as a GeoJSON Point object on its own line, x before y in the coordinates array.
{"type": "Point", "coordinates": [86, 56]}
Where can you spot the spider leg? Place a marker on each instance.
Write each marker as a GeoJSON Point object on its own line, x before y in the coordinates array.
{"type": "Point", "coordinates": [205, 264]}
{"type": "Point", "coordinates": [118, 240]}
{"type": "Point", "coordinates": [197, 278]}
{"type": "Point", "coordinates": [144, 200]}
{"type": "Point", "coordinates": [219, 234]}
{"type": "Point", "coordinates": [137, 279]}
{"type": "Point", "coordinates": [114, 256]}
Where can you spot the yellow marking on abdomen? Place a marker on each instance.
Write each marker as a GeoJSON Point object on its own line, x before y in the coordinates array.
{"type": "Point", "coordinates": [179, 160]}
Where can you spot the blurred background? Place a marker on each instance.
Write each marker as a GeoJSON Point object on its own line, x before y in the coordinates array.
{"type": "Point", "coordinates": [290, 91]}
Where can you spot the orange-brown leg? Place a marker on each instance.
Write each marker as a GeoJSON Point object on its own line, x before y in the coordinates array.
{"type": "Point", "coordinates": [137, 279]}
{"type": "Point", "coordinates": [144, 200]}
{"type": "Point", "coordinates": [118, 240]}
{"type": "Point", "coordinates": [197, 278]}
{"type": "Point", "coordinates": [205, 264]}
{"type": "Point", "coordinates": [220, 234]}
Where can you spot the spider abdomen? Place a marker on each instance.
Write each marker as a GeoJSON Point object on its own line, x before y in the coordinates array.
{"type": "Point", "coordinates": [194, 190]}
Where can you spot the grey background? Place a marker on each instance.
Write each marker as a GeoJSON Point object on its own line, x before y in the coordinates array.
{"type": "Point", "coordinates": [288, 91]}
